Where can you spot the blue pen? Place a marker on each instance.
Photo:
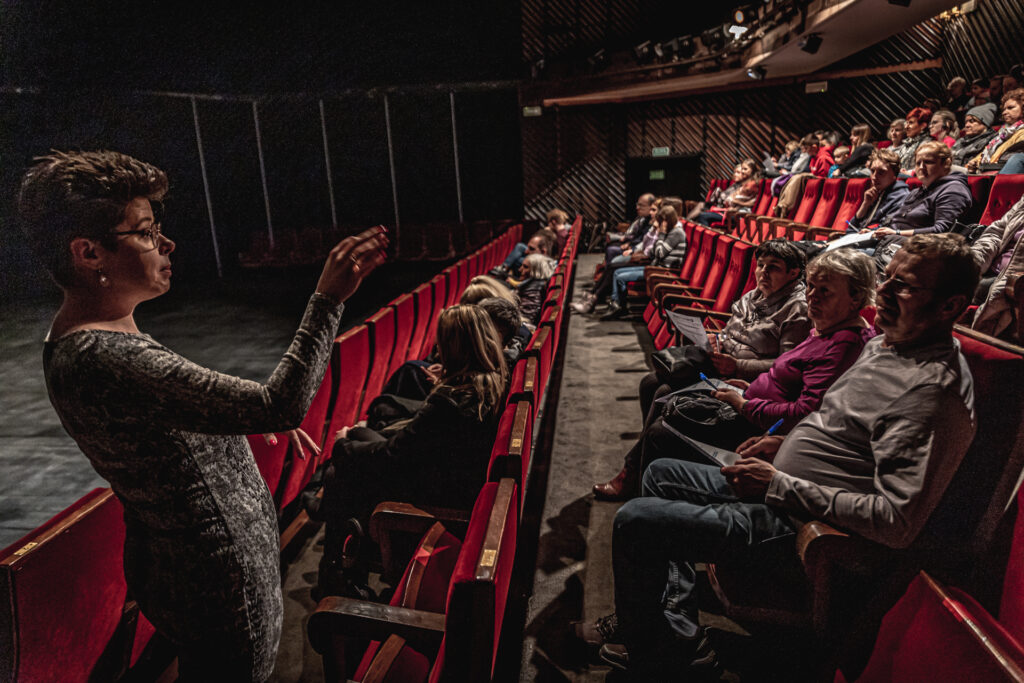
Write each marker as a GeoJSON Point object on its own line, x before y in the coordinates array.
{"type": "Point", "coordinates": [774, 428]}
{"type": "Point", "coordinates": [705, 379]}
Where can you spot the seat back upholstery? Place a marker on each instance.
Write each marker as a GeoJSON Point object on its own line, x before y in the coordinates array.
{"type": "Point", "coordinates": [808, 200]}
{"type": "Point", "coordinates": [985, 481]}
{"type": "Point", "coordinates": [1011, 607]}
{"type": "Point", "coordinates": [440, 284]}
{"type": "Point", "coordinates": [1006, 191]}
{"type": "Point", "coordinates": [693, 250]}
{"type": "Point", "coordinates": [979, 185]}
{"type": "Point", "coordinates": [855, 189]}
{"type": "Point", "coordinates": [705, 258]}
{"type": "Point", "coordinates": [63, 597]}
{"type": "Point", "coordinates": [405, 323]}
{"type": "Point", "coordinates": [382, 342]}
{"type": "Point", "coordinates": [350, 363]}
{"type": "Point", "coordinates": [424, 298]}
{"type": "Point", "coordinates": [523, 383]}
{"type": "Point", "coordinates": [735, 276]}
{"type": "Point", "coordinates": [719, 264]}
{"type": "Point", "coordinates": [510, 458]}
{"type": "Point", "coordinates": [827, 206]}
{"type": "Point", "coordinates": [764, 200]}
{"type": "Point", "coordinates": [480, 583]}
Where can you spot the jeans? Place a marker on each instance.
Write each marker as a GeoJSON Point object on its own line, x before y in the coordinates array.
{"type": "Point", "coordinates": [622, 277]}
{"type": "Point", "coordinates": [688, 514]}
{"type": "Point", "coordinates": [515, 257]}
{"type": "Point", "coordinates": [611, 251]}
{"type": "Point", "coordinates": [1014, 164]}
{"type": "Point", "coordinates": [708, 217]}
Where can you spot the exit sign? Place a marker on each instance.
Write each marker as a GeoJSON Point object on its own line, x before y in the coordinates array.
{"type": "Point", "coordinates": [660, 151]}
{"type": "Point", "coordinates": [656, 174]}
{"type": "Point", "coordinates": [531, 111]}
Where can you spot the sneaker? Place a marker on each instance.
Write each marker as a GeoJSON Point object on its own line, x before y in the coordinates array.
{"type": "Point", "coordinates": [615, 311]}
{"type": "Point", "coordinates": [585, 306]}
{"type": "Point", "coordinates": [598, 632]}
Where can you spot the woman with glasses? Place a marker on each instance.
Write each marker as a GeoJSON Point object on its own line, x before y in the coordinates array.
{"type": "Point", "coordinates": [201, 552]}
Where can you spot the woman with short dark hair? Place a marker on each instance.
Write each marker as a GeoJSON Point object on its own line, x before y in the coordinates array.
{"type": "Point", "coordinates": [201, 553]}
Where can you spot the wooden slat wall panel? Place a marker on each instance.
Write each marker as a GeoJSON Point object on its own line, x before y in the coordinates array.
{"type": "Point", "coordinates": [727, 127]}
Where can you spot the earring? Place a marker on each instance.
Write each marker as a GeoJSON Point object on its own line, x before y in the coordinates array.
{"type": "Point", "coordinates": [104, 280]}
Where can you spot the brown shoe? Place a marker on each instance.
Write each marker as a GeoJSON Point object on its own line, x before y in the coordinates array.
{"type": "Point", "coordinates": [622, 487]}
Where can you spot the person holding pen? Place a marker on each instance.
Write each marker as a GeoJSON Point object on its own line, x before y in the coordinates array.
{"type": "Point", "coordinates": [840, 284]}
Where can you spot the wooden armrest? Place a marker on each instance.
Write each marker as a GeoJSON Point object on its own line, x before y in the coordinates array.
{"type": "Point", "coordinates": [654, 271]}
{"type": "Point", "coordinates": [700, 312]}
{"type": "Point", "coordinates": [336, 615]}
{"type": "Point", "coordinates": [819, 544]}
{"type": "Point", "coordinates": [383, 660]}
{"type": "Point", "coordinates": [815, 230]}
{"type": "Point", "coordinates": [405, 517]}
{"type": "Point", "coordinates": [662, 289]}
{"type": "Point", "coordinates": [672, 299]}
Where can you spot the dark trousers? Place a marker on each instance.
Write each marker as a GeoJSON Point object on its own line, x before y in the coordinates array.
{"type": "Point", "coordinates": [603, 287]}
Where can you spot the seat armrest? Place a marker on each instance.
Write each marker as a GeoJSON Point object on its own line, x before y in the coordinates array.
{"type": "Point", "coordinates": [336, 615]}
{"type": "Point", "coordinates": [675, 299]}
{"type": "Point", "coordinates": [658, 292]}
{"type": "Point", "coordinates": [701, 312]}
{"type": "Point", "coordinates": [815, 230]}
{"type": "Point", "coordinates": [392, 516]}
{"type": "Point", "coordinates": [656, 271]}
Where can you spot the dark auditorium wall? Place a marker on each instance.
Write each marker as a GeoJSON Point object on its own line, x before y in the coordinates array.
{"type": "Point", "coordinates": [575, 156]}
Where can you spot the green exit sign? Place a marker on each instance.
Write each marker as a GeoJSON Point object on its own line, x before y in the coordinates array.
{"type": "Point", "coordinates": [657, 174]}
{"type": "Point", "coordinates": [661, 151]}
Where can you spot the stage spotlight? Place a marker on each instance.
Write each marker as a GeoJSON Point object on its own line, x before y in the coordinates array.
{"type": "Point", "coordinates": [756, 73]}
{"type": "Point", "coordinates": [643, 52]}
{"type": "Point", "coordinates": [737, 31]}
{"type": "Point", "coordinates": [810, 43]}
{"type": "Point", "coordinates": [738, 17]}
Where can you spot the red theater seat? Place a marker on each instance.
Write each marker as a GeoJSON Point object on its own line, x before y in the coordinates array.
{"type": "Point", "coordinates": [350, 362]}
{"type": "Point", "coordinates": [382, 343]}
{"type": "Point", "coordinates": [64, 615]}
{"type": "Point", "coordinates": [1006, 191]}
{"type": "Point", "coordinates": [405, 325]}
{"type": "Point", "coordinates": [424, 298]}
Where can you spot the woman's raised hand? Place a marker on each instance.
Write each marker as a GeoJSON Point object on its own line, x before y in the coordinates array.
{"type": "Point", "coordinates": [350, 261]}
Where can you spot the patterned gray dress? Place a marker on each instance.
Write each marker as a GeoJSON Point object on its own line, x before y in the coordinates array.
{"type": "Point", "coordinates": [201, 554]}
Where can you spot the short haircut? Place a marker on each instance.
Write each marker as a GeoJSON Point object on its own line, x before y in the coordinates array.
{"type": "Point", "coordinates": [980, 82]}
{"type": "Point", "coordinates": [539, 266]}
{"type": "Point", "coordinates": [948, 119]}
{"type": "Point", "coordinates": [939, 149]}
{"type": "Point", "coordinates": [959, 272]}
{"type": "Point", "coordinates": [67, 195]}
{"type": "Point", "coordinates": [646, 198]}
{"type": "Point", "coordinates": [958, 80]}
{"type": "Point", "coordinates": [886, 156]}
{"type": "Point", "coordinates": [998, 77]}
{"type": "Point", "coordinates": [857, 267]}
{"type": "Point", "coordinates": [668, 213]}
{"type": "Point", "coordinates": [832, 137]}
{"type": "Point", "coordinates": [548, 239]}
{"type": "Point", "coordinates": [792, 145]}
{"type": "Point", "coordinates": [922, 114]}
{"type": "Point", "coordinates": [785, 250]}
{"type": "Point", "coordinates": [810, 140]}
{"type": "Point", "coordinates": [505, 316]}
{"type": "Point", "coordinates": [863, 131]}
{"type": "Point", "coordinates": [1017, 95]}
{"type": "Point", "coordinates": [842, 149]}
{"type": "Point", "coordinates": [899, 121]}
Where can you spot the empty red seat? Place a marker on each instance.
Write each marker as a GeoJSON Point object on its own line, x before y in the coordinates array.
{"type": "Point", "coordinates": [382, 343]}
{"type": "Point", "coordinates": [1006, 191]}
{"type": "Point", "coordinates": [424, 304]}
{"type": "Point", "coordinates": [350, 363]}
{"type": "Point", "coordinates": [405, 324]}
{"type": "Point", "coordinates": [63, 615]}
{"type": "Point", "coordinates": [439, 284]}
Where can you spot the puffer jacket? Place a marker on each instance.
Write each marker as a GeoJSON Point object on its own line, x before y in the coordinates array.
{"type": "Point", "coordinates": [995, 315]}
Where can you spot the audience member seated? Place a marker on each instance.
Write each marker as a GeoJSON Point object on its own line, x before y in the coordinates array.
{"type": "Point", "coordinates": [885, 194]}
{"type": "Point", "coordinates": [765, 323]}
{"type": "Point", "coordinates": [1001, 260]}
{"type": "Point", "coordinates": [741, 195]}
{"type": "Point", "coordinates": [874, 460]}
{"type": "Point", "coordinates": [536, 270]}
{"type": "Point", "coordinates": [943, 127]}
{"type": "Point", "coordinates": [669, 252]}
{"type": "Point", "coordinates": [896, 134]}
{"type": "Point", "coordinates": [840, 155]}
{"type": "Point", "coordinates": [438, 457]}
{"type": "Point", "coordinates": [840, 284]}
{"type": "Point", "coordinates": [934, 207]}
{"type": "Point", "coordinates": [824, 160]}
{"type": "Point", "coordinates": [786, 161]}
{"type": "Point", "coordinates": [976, 134]}
{"type": "Point", "coordinates": [635, 232]}
{"type": "Point", "coordinates": [630, 257]}
{"type": "Point", "coordinates": [979, 92]}
{"type": "Point", "coordinates": [956, 95]}
{"type": "Point", "coordinates": [1014, 79]}
{"type": "Point", "coordinates": [544, 242]}
{"type": "Point", "coordinates": [855, 166]}
{"type": "Point", "coordinates": [558, 223]}
{"type": "Point", "coordinates": [808, 151]}
{"type": "Point", "coordinates": [917, 133]}
{"type": "Point", "coordinates": [1009, 138]}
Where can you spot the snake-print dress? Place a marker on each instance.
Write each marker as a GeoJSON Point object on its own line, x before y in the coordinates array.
{"type": "Point", "coordinates": [201, 555]}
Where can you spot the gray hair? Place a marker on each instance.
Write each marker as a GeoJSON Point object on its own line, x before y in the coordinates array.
{"type": "Point", "coordinates": [858, 269]}
{"type": "Point", "coordinates": [539, 266]}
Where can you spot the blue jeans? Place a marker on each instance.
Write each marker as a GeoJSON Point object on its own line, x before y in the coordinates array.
{"type": "Point", "coordinates": [515, 257]}
{"type": "Point", "coordinates": [1014, 164]}
{"type": "Point", "coordinates": [688, 513]}
{"type": "Point", "coordinates": [622, 277]}
{"type": "Point", "coordinates": [708, 217]}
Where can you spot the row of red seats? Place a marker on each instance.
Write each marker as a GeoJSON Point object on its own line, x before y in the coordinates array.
{"type": "Point", "coordinates": [80, 625]}
{"type": "Point", "coordinates": [444, 621]}
{"type": "Point", "coordinates": [976, 508]}
{"type": "Point", "coordinates": [362, 360]}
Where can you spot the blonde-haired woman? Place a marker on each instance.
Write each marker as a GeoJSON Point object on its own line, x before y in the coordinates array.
{"type": "Point", "coordinates": [484, 287]}
{"type": "Point", "coordinates": [438, 457]}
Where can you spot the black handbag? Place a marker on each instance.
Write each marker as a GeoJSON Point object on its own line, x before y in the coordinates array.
{"type": "Point", "coordinates": [680, 366]}
{"type": "Point", "coordinates": [703, 417]}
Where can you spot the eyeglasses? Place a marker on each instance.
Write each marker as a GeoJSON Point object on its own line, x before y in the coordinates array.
{"type": "Point", "coordinates": [150, 235]}
{"type": "Point", "coordinates": [154, 232]}
{"type": "Point", "coordinates": [904, 288]}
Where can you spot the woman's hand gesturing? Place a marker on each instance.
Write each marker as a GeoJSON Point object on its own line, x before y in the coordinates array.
{"type": "Point", "coordinates": [350, 261]}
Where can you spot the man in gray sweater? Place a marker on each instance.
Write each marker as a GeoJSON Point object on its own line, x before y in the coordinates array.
{"type": "Point", "coordinates": [874, 460]}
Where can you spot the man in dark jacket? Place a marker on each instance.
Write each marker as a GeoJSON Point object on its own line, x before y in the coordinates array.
{"type": "Point", "coordinates": [886, 193]}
